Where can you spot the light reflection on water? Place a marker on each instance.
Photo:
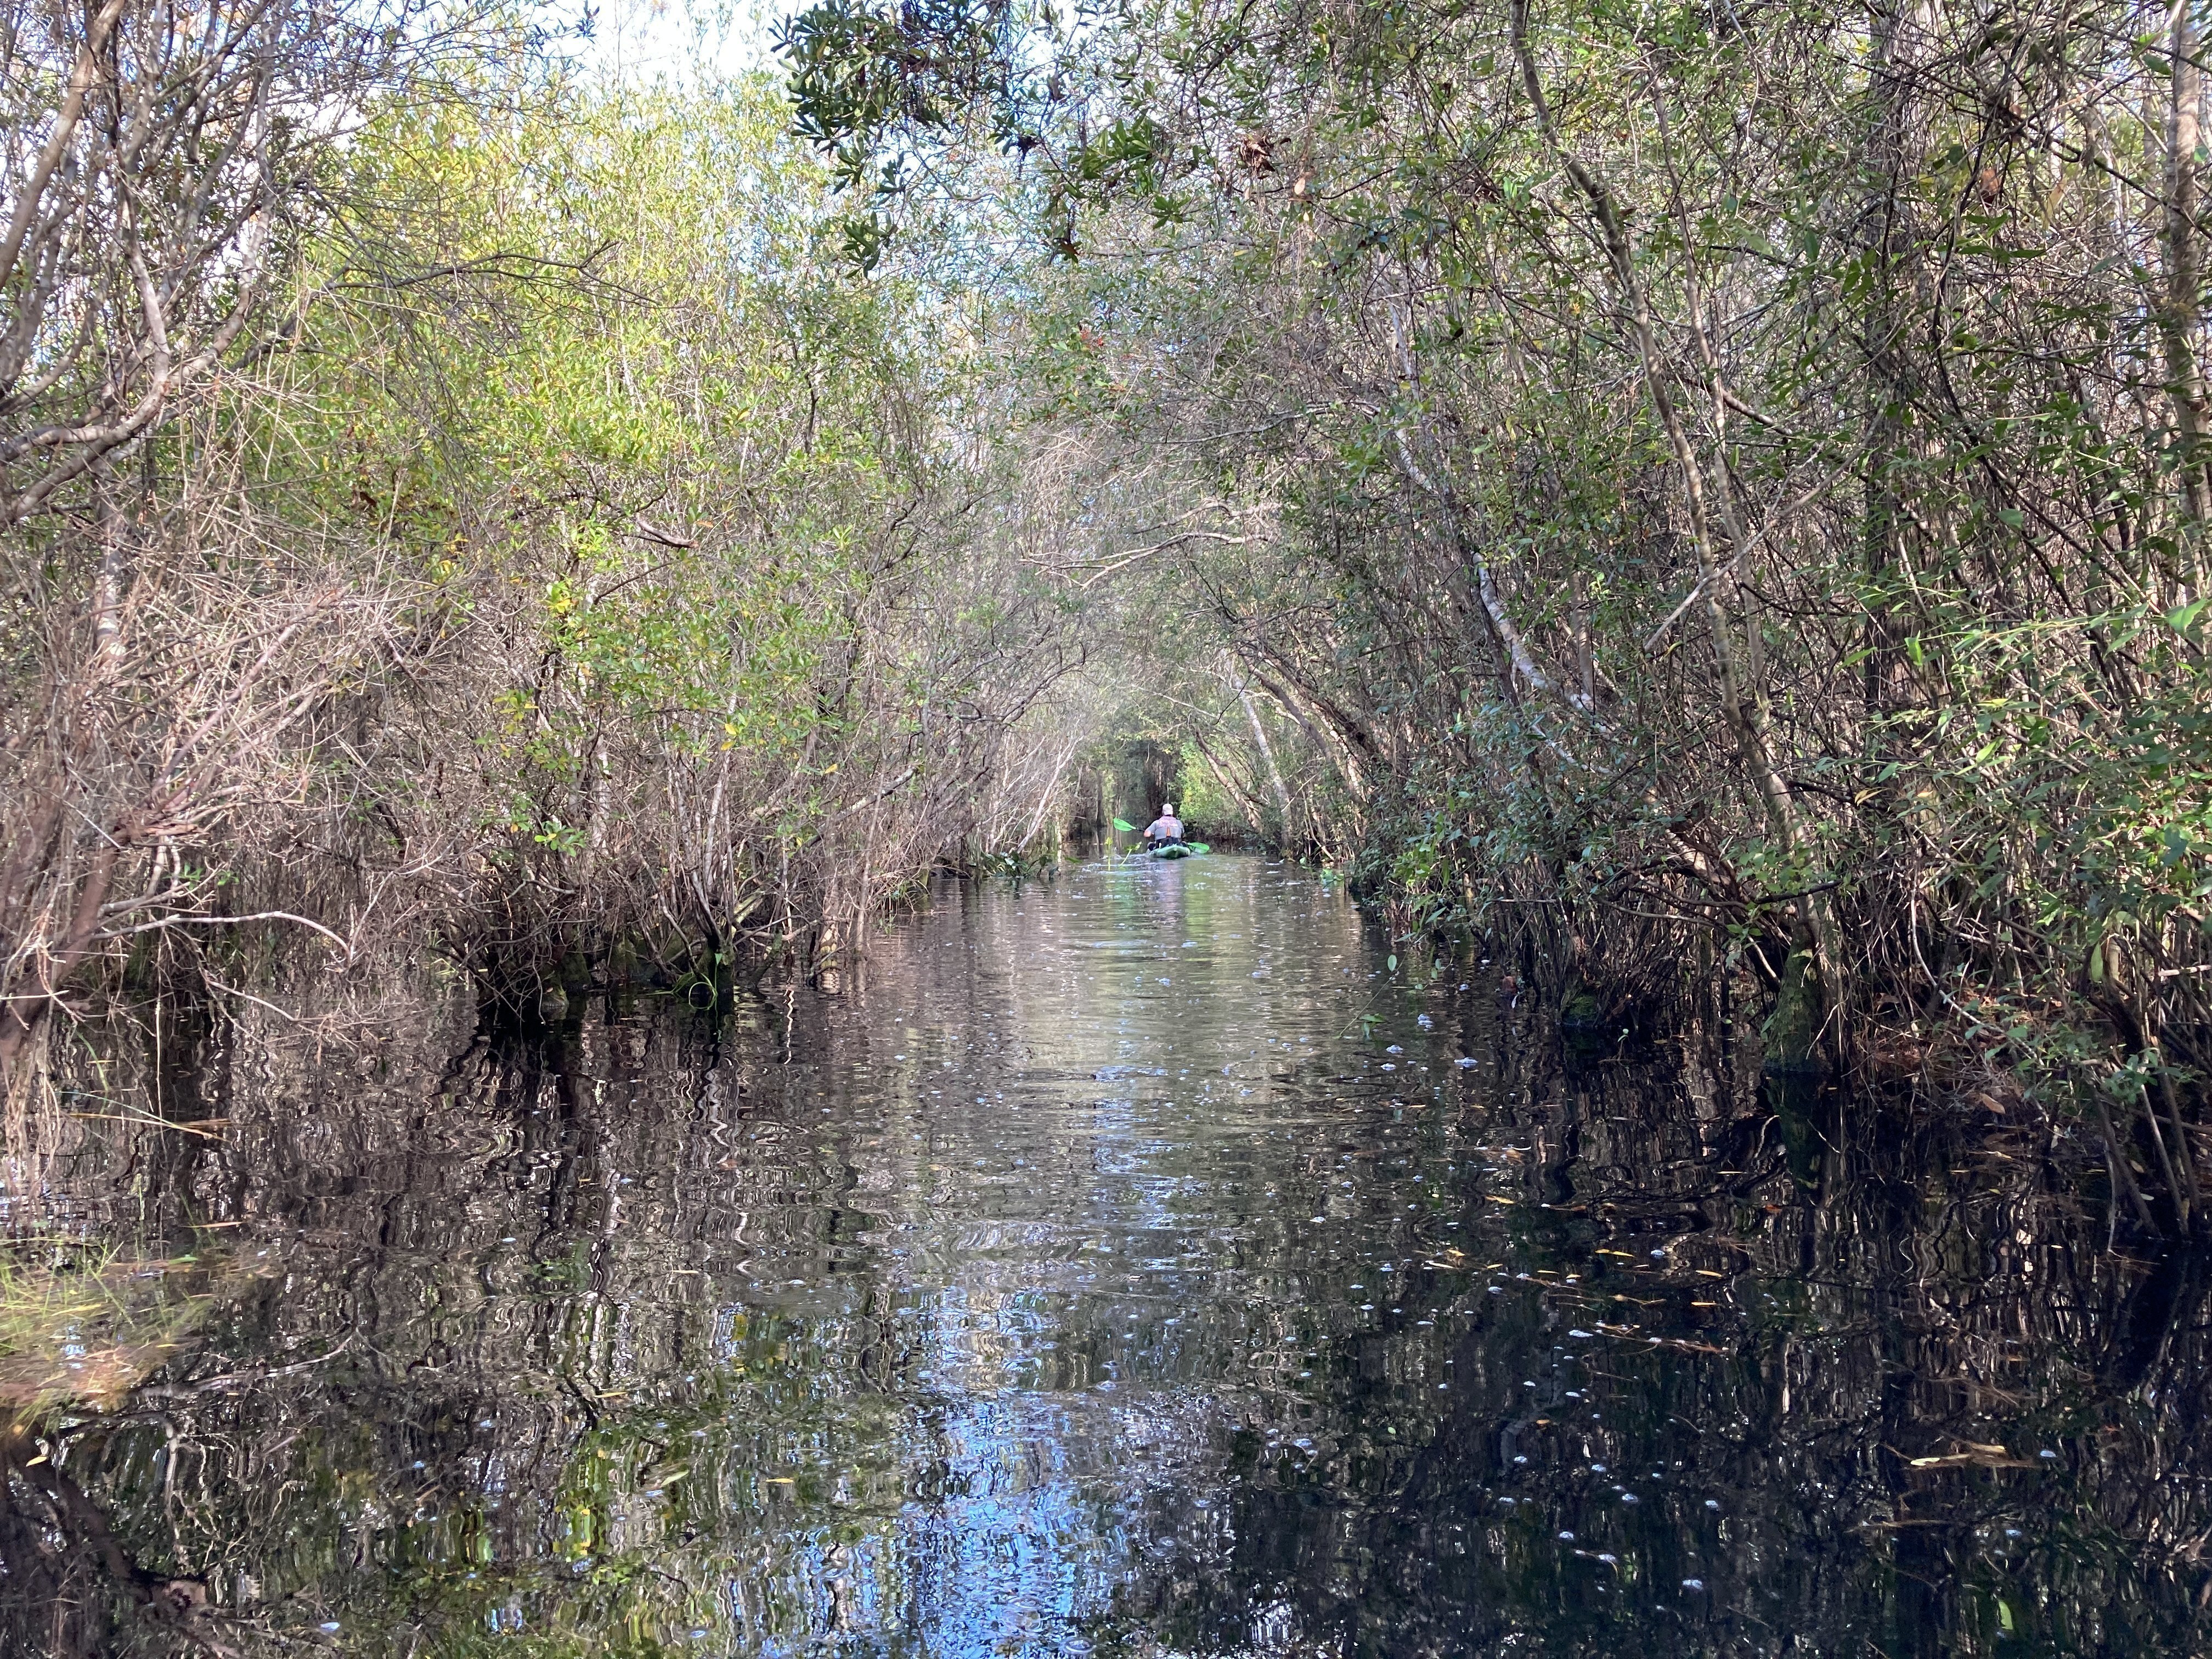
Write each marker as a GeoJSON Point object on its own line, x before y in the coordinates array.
{"type": "Point", "coordinates": [1131, 1264]}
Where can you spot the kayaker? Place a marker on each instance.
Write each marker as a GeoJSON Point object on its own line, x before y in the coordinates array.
{"type": "Point", "coordinates": [1165, 831]}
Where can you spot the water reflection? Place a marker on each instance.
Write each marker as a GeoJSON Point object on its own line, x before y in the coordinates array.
{"type": "Point", "coordinates": [1131, 1264]}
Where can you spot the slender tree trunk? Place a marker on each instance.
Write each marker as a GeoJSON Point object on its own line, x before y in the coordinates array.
{"type": "Point", "coordinates": [26, 1010]}
{"type": "Point", "coordinates": [2178, 314]}
{"type": "Point", "coordinates": [1888, 238]}
{"type": "Point", "coordinates": [1585, 660]}
{"type": "Point", "coordinates": [1266, 749]}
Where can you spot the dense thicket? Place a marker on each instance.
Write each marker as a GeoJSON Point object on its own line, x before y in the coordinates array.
{"type": "Point", "coordinates": [1728, 472]}
{"type": "Point", "coordinates": [448, 504]}
{"type": "Point", "coordinates": [1730, 478]}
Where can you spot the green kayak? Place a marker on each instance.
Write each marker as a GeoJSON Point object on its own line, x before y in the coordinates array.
{"type": "Point", "coordinates": [1182, 849]}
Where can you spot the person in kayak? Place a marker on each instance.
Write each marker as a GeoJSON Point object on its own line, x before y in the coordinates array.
{"type": "Point", "coordinates": [1165, 831]}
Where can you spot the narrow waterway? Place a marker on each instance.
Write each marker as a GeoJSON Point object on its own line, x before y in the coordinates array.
{"type": "Point", "coordinates": [1141, 1262]}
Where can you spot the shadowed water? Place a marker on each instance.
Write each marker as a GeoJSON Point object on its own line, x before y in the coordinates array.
{"type": "Point", "coordinates": [1136, 1263]}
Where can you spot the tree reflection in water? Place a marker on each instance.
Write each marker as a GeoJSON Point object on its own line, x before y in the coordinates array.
{"type": "Point", "coordinates": [1120, 1265]}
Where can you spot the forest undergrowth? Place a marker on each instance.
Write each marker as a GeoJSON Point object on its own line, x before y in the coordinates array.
{"type": "Point", "coordinates": [1698, 490]}
{"type": "Point", "coordinates": [1703, 494]}
{"type": "Point", "coordinates": [485, 521]}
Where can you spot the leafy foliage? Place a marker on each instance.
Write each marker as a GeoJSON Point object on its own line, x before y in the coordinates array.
{"type": "Point", "coordinates": [1675, 472]}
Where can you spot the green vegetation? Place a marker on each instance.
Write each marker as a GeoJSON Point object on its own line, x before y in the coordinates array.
{"type": "Point", "coordinates": [1695, 474]}
{"type": "Point", "coordinates": [1608, 478]}
{"type": "Point", "coordinates": [570, 558]}
{"type": "Point", "coordinates": [77, 1329]}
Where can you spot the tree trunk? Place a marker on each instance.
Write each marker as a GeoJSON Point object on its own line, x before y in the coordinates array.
{"type": "Point", "coordinates": [2178, 314]}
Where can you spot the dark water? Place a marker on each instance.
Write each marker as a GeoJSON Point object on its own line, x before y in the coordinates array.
{"type": "Point", "coordinates": [1133, 1264]}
